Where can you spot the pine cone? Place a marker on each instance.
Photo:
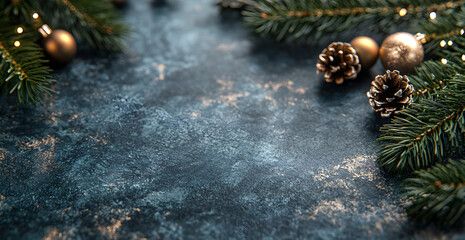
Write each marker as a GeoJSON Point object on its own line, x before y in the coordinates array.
{"type": "Point", "coordinates": [338, 62]}
{"type": "Point", "coordinates": [390, 92]}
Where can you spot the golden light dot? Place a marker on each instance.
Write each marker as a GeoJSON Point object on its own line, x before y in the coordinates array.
{"type": "Point", "coordinates": [403, 12]}
{"type": "Point", "coordinates": [35, 15]}
{"type": "Point", "coordinates": [450, 43]}
{"type": "Point", "coordinates": [444, 61]}
{"type": "Point", "coordinates": [463, 57]}
{"type": "Point", "coordinates": [432, 15]}
{"type": "Point", "coordinates": [442, 43]}
{"type": "Point", "coordinates": [19, 30]}
{"type": "Point", "coordinates": [462, 31]}
{"type": "Point", "coordinates": [17, 43]}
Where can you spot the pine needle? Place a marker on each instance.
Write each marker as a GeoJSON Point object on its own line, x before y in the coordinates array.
{"type": "Point", "coordinates": [437, 194]}
{"type": "Point", "coordinates": [283, 19]}
{"type": "Point", "coordinates": [22, 69]}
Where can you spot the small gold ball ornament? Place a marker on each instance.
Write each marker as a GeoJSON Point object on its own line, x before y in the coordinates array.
{"type": "Point", "coordinates": [59, 44]}
{"type": "Point", "coordinates": [401, 51]}
{"type": "Point", "coordinates": [367, 50]}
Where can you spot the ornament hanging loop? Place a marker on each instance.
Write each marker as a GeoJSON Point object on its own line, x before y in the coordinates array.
{"type": "Point", "coordinates": [45, 30]}
{"type": "Point", "coordinates": [421, 37]}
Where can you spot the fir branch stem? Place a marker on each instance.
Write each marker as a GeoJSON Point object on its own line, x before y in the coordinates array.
{"type": "Point", "coordinates": [14, 66]}
{"type": "Point", "coordinates": [440, 185]}
{"type": "Point", "coordinates": [433, 36]}
{"type": "Point", "coordinates": [82, 15]}
{"type": "Point", "coordinates": [437, 125]}
{"type": "Point", "coordinates": [317, 18]}
{"type": "Point", "coordinates": [366, 10]}
{"type": "Point", "coordinates": [439, 85]}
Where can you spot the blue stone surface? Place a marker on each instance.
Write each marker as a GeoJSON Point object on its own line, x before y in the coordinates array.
{"type": "Point", "coordinates": [198, 130]}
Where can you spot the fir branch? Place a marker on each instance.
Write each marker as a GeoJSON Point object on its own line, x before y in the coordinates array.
{"type": "Point", "coordinates": [434, 75]}
{"type": "Point", "coordinates": [437, 194]}
{"type": "Point", "coordinates": [22, 69]}
{"type": "Point", "coordinates": [291, 18]}
{"type": "Point", "coordinates": [447, 26]}
{"type": "Point", "coordinates": [97, 22]}
{"type": "Point", "coordinates": [427, 132]}
{"type": "Point", "coordinates": [16, 10]}
{"type": "Point", "coordinates": [430, 77]}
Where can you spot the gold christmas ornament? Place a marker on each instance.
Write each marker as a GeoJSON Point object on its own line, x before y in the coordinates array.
{"type": "Point", "coordinates": [59, 44]}
{"type": "Point", "coordinates": [401, 51]}
{"type": "Point", "coordinates": [390, 92]}
{"type": "Point", "coordinates": [367, 50]}
{"type": "Point", "coordinates": [338, 62]}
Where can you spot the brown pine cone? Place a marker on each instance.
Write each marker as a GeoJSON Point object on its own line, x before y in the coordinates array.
{"type": "Point", "coordinates": [390, 92]}
{"type": "Point", "coordinates": [338, 62]}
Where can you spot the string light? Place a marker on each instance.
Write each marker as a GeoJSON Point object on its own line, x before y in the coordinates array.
{"type": "Point", "coordinates": [444, 61]}
{"type": "Point", "coordinates": [403, 12]}
{"type": "Point", "coordinates": [432, 15]}
{"type": "Point", "coordinates": [450, 43]}
{"type": "Point", "coordinates": [442, 43]}
{"type": "Point", "coordinates": [19, 30]}
{"type": "Point", "coordinates": [463, 57]}
{"type": "Point", "coordinates": [462, 31]}
{"type": "Point", "coordinates": [421, 37]}
{"type": "Point", "coordinates": [17, 43]}
{"type": "Point", "coordinates": [35, 15]}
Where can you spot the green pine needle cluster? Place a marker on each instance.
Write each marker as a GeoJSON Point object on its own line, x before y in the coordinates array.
{"type": "Point", "coordinates": [283, 19]}
{"type": "Point", "coordinates": [96, 22]}
{"type": "Point", "coordinates": [447, 24]}
{"type": "Point", "coordinates": [437, 194]}
{"type": "Point", "coordinates": [23, 69]}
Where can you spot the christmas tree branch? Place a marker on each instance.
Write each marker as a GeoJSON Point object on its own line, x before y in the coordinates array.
{"type": "Point", "coordinates": [83, 16]}
{"type": "Point", "coordinates": [22, 68]}
{"type": "Point", "coordinates": [290, 18]}
{"type": "Point", "coordinates": [367, 10]}
{"type": "Point", "coordinates": [97, 22]}
{"type": "Point", "coordinates": [425, 133]}
{"type": "Point", "coordinates": [15, 9]}
{"type": "Point", "coordinates": [432, 76]}
{"type": "Point", "coordinates": [438, 32]}
{"type": "Point", "coordinates": [437, 194]}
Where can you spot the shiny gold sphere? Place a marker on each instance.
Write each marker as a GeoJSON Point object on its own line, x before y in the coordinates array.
{"type": "Point", "coordinates": [401, 51]}
{"type": "Point", "coordinates": [60, 46]}
{"type": "Point", "coordinates": [367, 50]}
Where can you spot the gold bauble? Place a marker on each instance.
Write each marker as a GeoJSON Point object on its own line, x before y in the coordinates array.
{"type": "Point", "coordinates": [60, 46]}
{"type": "Point", "coordinates": [401, 51]}
{"type": "Point", "coordinates": [367, 50]}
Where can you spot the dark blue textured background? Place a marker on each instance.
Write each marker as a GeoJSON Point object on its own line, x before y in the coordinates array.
{"type": "Point", "coordinates": [199, 130]}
